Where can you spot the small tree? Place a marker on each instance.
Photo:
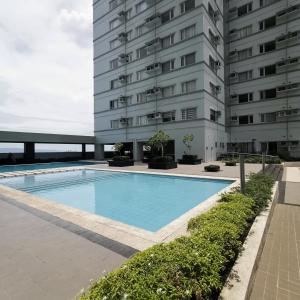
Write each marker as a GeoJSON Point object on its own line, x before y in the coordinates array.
{"type": "Point", "coordinates": [187, 141]}
{"type": "Point", "coordinates": [118, 147]}
{"type": "Point", "coordinates": [159, 140]}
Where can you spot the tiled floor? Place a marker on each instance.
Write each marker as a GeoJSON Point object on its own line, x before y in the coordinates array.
{"type": "Point", "coordinates": [278, 273]}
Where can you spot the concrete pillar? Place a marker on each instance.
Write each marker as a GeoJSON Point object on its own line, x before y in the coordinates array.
{"type": "Point", "coordinates": [99, 151]}
{"type": "Point", "coordinates": [29, 152]}
{"type": "Point", "coordinates": [83, 152]}
{"type": "Point", "coordinates": [137, 150]}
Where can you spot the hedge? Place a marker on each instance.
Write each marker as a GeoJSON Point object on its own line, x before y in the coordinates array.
{"type": "Point", "coordinates": [194, 266]}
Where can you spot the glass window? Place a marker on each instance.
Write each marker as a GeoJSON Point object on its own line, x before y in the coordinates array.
{"type": "Point", "coordinates": [168, 91]}
{"type": "Point", "coordinates": [189, 113]}
{"type": "Point", "coordinates": [244, 9]}
{"type": "Point", "coordinates": [188, 59]}
{"type": "Point", "coordinates": [114, 63]}
{"type": "Point", "coordinates": [167, 41]}
{"type": "Point", "coordinates": [167, 16]}
{"type": "Point", "coordinates": [114, 124]}
{"type": "Point", "coordinates": [188, 32]}
{"type": "Point", "coordinates": [168, 116]}
{"type": "Point", "coordinates": [187, 5]}
{"type": "Point", "coordinates": [168, 66]}
{"type": "Point", "coordinates": [140, 7]}
{"type": "Point", "coordinates": [142, 52]}
{"type": "Point", "coordinates": [188, 86]}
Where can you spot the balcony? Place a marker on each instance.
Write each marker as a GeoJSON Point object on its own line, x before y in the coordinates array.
{"type": "Point", "coordinates": [287, 88]}
{"type": "Point", "coordinates": [153, 21]}
{"type": "Point", "coordinates": [288, 12]}
{"type": "Point", "coordinates": [287, 113]}
{"type": "Point", "coordinates": [287, 63]}
{"type": "Point", "coordinates": [290, 37]}
{"type": "Point", "coordinates": [153, 45]}
{"type": "Point", "coordinates": [154, 69]}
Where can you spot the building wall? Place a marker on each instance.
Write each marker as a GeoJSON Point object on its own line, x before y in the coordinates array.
{"type": "Point", "coordinates": [210, 135]}
{"type": "Point", "coordinates": [282, 124]}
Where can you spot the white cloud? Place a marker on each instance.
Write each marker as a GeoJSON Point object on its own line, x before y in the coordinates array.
{"type": "Point", "coordinates": [46, 66]}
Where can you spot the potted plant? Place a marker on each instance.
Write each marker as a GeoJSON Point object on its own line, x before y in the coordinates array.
{"type": "Point", "coordinates": [212, 168]}
{"type": "Point", "coordinates": [120, 160]}
{"type": "Point", "coordinates": [187, 158]}
{"type": "Point", "coordinates": [158, 141]}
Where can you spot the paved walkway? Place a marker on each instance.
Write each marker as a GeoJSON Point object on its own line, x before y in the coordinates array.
{"type": "Point", "coordinates": [41, 260]}
{"type": "Point", "coordinates": [278, 273]}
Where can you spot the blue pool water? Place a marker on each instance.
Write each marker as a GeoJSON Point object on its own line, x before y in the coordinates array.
{"type": "Point", "coordinates": [13, 168]}
{"type": "Point", "coordinates": [142, 200]}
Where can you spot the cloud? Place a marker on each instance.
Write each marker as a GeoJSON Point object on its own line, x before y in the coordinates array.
{"type": "Point", "coordinates": [46, 68]}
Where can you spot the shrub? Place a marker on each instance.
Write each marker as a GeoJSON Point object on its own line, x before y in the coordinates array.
{"type": "Point", "coordinates": [120, 158]}
{"type": "Point", "coordinates": [189, 157]}
{"type": "Point", "coordinates": [212, 168]}
{"type": "Point", "coordinates": [162, 159]}
{"type": "Point", "coordinates": [191, 267]}
{"type": "Point", "coordinates": [230, 163]}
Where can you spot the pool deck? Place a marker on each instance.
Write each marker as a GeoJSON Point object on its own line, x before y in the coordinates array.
{"type": "Point", "coordinates": [47, 256]}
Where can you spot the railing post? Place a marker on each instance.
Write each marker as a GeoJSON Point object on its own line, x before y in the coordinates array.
{"type": "Point", "coordinates": [263, 162]}
{"type": "Point", "coordinates": [242, 173]}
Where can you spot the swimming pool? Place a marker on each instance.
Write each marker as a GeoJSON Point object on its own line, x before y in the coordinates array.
{"type": "Point", "coordinates": [146, 201]}
{"type": "Point", "coordinates": [14, 168]}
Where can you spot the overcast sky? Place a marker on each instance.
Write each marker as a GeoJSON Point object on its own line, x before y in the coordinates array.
{"type": "Point", "coordinates": [46, 66]}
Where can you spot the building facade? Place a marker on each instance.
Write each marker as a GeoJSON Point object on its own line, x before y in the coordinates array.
{"type": "Point", "coordinates": [159, 65]}
{"type": "Point", "coordinates": [263, 76]}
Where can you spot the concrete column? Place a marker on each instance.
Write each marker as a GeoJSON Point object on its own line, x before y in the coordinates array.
{"type": "Point", "coordinates": [99, 151]}
{"type": "Point", "coordinates": [137, 150]}
{"type": "Point", "coordinates": [29, 152]}
{"type": "Point", "coordinates": [83, 152]}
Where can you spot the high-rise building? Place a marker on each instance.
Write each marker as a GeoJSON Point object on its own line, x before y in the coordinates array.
{"type": "Point", "coordinates": [159, 65]}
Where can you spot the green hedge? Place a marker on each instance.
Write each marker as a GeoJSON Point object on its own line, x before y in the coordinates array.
{"type": "Point", "coordinates": [192, 267]}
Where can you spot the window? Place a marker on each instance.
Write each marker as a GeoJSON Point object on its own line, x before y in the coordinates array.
{"type": "Point", "coordinates": [266, 2]}
{"type": "Point", "coordinates": [114, 63]}
{"type": "Point", "coordinates": [167, 41]}
{"type": "Point", "coordinates": [245, 31]}
{"type": "Point", "coordinates": [188, 59]}
{"type": "Point", "coordinates": [247, 75]}
{"type": "Point", "coordinates": [187, 6]}
{"type": "Point", "coordinates": [189, 113]}
{"type": "Point", "coordinates": [142, 120]}
{"type": "Point", "coordinates": [114, 124]}
{"type": "Point", "coordinates": [268, 117]}
{"type": "Point", "coordinates": [214, 64]}
{"type": "Point", "coordinates": [141, 97]}
{"type": "Point", "coordinates": [114, 23]}
{"type": "Point", "coordinates": [211, 12]}
{"type": "Point", "coordinates": [267, 23]}
{"type": "Point", "coordinates": [168, 66]}
{"type": "Point", "coordinates": [142, 52]}
{"type": "Point", "coordinates": [188, 32]}
{"type": "Point", "coordinates": [215, 89]}
{"type": "Point", "coordinates": [113, 104]}
{"type": "Point", "coordinates": [245, 53]}
{"type": "Point", "coordinates": [140, 7]}
{"type": "Point", "coordinates": [168, 116]}
{"type": "Point", "coordinates": [114, 43]}
{"type": "Point", "coordinates": [268, 94]}
{"type": "Point", "coordinates": [243, 120]}
{"type": "Point", "coordinates": [114, 83]}
{"type": "Point", "coordinates": [140, 30]}
{"type": "Point", "coordinates": [213, 115]}
{"type": "Point", "coordinates": [215, 39]}
{"type": "Point", "coordinates": [244, 9]}
{"type": "Point", "coordinates": [244, 98]}
{"type": "Point", "coordinates": [267, 47]}
{"type": "Point", "coordinates": [167, 16]}
{"type": "Point", "coordinates": [188, 86]}
{"type": "Point", "coordinates": [268, 70]}
{"type": "Point", "coordinates": [168, 91]}
{"type": "Point", "coordinates": [114, 3]}
{"type": "Point", "coordinates": [139, 75]}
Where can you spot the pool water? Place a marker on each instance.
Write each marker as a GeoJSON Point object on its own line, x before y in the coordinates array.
{"type": "Point", "coordinates": [14, 168]}
{"type": "Point", "coordinates": [142, 200]}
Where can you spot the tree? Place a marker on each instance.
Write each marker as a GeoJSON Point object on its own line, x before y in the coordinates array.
{"type": "Point", "coordinates": [187, 141]}
{"type": "Point", "coordinates": [159, 140]}
{"type": "Point", "coordinates": [118, 147]}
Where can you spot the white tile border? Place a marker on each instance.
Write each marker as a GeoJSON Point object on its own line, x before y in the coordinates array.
{"type": "Point", "coordinates": [137, 238]}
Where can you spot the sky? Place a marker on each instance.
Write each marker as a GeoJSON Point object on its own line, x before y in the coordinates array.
{"type": "Point", "coordinates": [46, 66]}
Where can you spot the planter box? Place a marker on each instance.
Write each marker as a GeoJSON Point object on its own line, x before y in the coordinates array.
{"type": "Point", "coordinates": [121, 163]}
{"type": "Point", "coordinates": [162, 165]}
{"type": "Point", "coordinates": [196, 161]}
{"type": "Point", "coordinates": [212, 168]}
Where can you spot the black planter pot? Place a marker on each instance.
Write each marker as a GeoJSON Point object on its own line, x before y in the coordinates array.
{"type": "Point", "coordinates": [162, 165]}
{"type": "Point", "coordinates": [212, 168]}
{"type": "Point", "coordinates": [188, 159]}
{"type": "Point", "coordinates": [121, 163]}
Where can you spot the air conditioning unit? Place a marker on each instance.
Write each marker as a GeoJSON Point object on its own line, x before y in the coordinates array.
{"type": "Point", "coordinates": [123, 58]}
{"type": "Point", "coordinates": [233, 76]}
{"type": "Point", "coordinates": [152, 21]}
{"type": "Point", "coordinates": [233, 98]}
{"type": "Point", "coordinates": [217, 40]}
{"type": "Point", "coordinates": [122, 37]}
{"type": "Point", "coordinates": [156, 91]}
{"type": "Point", "coordinates": [154, 68]}
{"type": "Point", "coordinates": [233, 33]}
{"type": "Point", "coordinates": [153, 45]}
{"type": "Point", "coordinates": [234, 119]}
{"type": "Point", "coordinates": [218, 64]}
{"type": "Point", "coordinates": [216, 15]}
{"type": "Point", "coordinates": [124, 121]}
{"type": "Point", "coordinates": [122, 16]}
{"type": "Point", "coordinates": [158, 115]}
{"type": "Point", "coordinates": [218, 89]}
{"type": "Point", "coordinates": [122, 78]}
{"type": "Point", "coordinates": [123, 99]}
